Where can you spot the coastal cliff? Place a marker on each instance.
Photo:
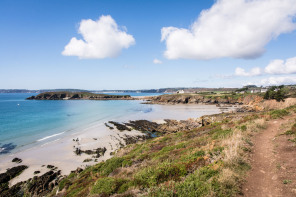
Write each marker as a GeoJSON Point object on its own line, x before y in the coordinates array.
{"type": "Point", "coordinates": [203, 99]}
{"type": "Point", "coordinates": [78, 96]}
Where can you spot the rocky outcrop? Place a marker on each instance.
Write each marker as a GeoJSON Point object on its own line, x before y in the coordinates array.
{"type": "Point", "coordinates": [17, 160]}
{"type": "Point", "coordinates": [8, 175]}
{"type": "Point", "coordinates": [153, 129]}
{"type": "Point", "coordinates": [120, 127]}
{"type": "Point", "coordinates": [204, 99]}
{"type": "Point", "coordinates": [192, 99]}
{"type": "Point", "coordinates": [37, 186]}
{"type": "Point", "coordinates": [96, 152]}
{"type": "Point", "coordinates": [78, 96]}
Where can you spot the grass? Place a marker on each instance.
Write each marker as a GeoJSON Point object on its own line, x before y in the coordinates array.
{"type": "Point", "coordinates": [287, 181]}
{"type": "Point", "coordinates": [280, 113]}
{"type": "Point", "coordinates": [292, 132]}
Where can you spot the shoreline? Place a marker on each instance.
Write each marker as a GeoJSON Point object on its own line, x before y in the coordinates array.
{"type": "Point", "coordinates": [60, 152]}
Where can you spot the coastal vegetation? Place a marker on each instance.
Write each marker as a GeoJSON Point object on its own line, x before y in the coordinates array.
{"type": "Point", "coordinates": [208, 161]}
{"type": "Point", "coordinates": [279, 93]}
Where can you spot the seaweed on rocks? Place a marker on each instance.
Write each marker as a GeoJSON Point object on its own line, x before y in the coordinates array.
{"type": "Point", "coordinates": [97, 152]}
{"type": "Point", "coordinates": [119, 126]}
{"type": "Point", "coordinates": [17, 160]}
{"type": "Point", "coordinates": [144, 125]}
{"type": "Point", "coordinates": [36, 172]}
{"type": "Point", "coordinates": [43, 184]}
{"type": "Point", "coordinates": [8, 175]}
{"type": "Point", "coordinates": [36, 186]}
{"type": "Point", "coordinates": [134, 139]}
{"type": "Point", "coordinates": [109, 126]}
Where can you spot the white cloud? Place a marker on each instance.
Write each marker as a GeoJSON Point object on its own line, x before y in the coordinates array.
{"type": "Point", "coordinates": [253, 72]}
{"type": "Point", "coordinates": [157, 61]}
{"type": "Point", "coordinates": [101, 39]}
{"type": "Point", "coordinates": [285, 80]}
{"type": "Point", "coordinates": [275, 67]}
{"type": "Point", "coordinates": [231, 28]}
{"type": "Point", "coordinates": [281, 67]}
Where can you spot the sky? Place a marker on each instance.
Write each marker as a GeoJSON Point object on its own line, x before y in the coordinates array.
{"type": "Point", "coordinates": [145, 44]}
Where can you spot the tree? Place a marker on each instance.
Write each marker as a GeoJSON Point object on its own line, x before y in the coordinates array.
{"type": "Point", "coordinates": [279, 93]}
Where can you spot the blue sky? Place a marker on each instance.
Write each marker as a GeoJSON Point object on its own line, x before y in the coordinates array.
{"type": "Point", "coordinates": [34, 34]}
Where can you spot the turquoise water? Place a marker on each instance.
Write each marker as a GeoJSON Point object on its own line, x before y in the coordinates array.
{"type": "Point", "coordinates": [25, 123]}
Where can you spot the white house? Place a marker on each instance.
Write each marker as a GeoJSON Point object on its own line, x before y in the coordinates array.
{"type": "Point", "coordinates": [263, 90]}
{"type": "Point", "coordinates": [180, 92]}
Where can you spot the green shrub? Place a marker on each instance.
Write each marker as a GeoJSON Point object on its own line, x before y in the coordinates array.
{"type": "Point", "coordinates": [243, 127]}
{"type": "Point", "coordinates": [153, 176]}
{"type": "Point", "coordinates": [220, 133]}
{"type": "Point", "coordinates": [278, 113]}
{"type": "Point", "coordinates": [200, 183]}
{"type": "Point", "coordinates": [292, 131]}
{"type": "Point", "coordinates": [64, 183]}
{"type": "Point", "coordinates": [105, 168]}
{"type": "Point", "coordinates": [279, 93]}
{"type": "Point", "coordinates": [109, 185]}
{"type": "Point", "coordinates": [105, 186]}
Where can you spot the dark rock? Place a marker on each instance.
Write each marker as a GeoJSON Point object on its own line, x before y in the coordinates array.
{"type": "Point", "coordinates": [37, 172]}
{"type": "Point", "coordinates": [109, 126]}
{"type": "Point", "coordinates": [15, 191]}
{"type": "Point", "coordinates": [11, 173]}
{"type": "Point", "coordinates": [144, 125]}
{"type": "Point", "coordinates": [50, 166]}
{"type": "Point", "coordinates": [119, 126]}
{"type": "Point", "coordinates": [77, 171]}
{"type": "Point", "coordinates": [41, 185]}
{"type": "Point", "coordinates": [17, 160]}
{"type": "Point", "coordinates": [77, 151]}
{"type": "Point", "coordinates": [97, 152]}
{"type": "Point", "coordinates": [7, 176]}
{"type": "Point", "coordinates": [87, 160]}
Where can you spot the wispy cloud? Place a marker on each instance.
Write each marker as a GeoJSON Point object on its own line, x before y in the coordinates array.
{"type": "Point", "coordinates": [285, 80]}
{"type": "Point", "coordinates": [231, 28]}
{"type": "Point", "coordinates": [253, 72]}
{"type": "Point", "coordinates": [157, 61]}
{"type": "Point", "coordinates": [101, 39]}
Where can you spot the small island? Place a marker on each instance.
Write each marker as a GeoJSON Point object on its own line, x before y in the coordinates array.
{"type": "Point", "coordinates": [78, 96]}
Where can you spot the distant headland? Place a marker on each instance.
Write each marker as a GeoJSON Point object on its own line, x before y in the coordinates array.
{"type": "Point", "coordinates": [78, 96]}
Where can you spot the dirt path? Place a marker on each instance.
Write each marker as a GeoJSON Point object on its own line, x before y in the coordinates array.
{"type": "Point", "coordinates": [273, 162]}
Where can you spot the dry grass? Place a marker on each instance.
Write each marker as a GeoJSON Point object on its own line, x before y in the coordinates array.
{"type": "Point", "coordinates": [273, 104]}
{"type": "Point", "coordinates": [235, 154]}
{"type": "Point", "coordinates": [233, 146]}
{"type": "Point", "coordinates": [228, 177]}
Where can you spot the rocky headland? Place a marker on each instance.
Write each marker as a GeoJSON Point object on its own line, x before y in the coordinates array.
{"type": "Point", "coordinates": [202, 99]}
{"type": "Point", "coordinates": [78, 96]}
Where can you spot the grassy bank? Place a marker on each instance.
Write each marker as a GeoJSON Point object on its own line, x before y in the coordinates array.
{"type": "Point", "coordinates": [208, 161]}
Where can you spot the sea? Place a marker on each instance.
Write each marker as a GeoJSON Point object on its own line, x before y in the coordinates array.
{"type": "Point", "coordinates": [27, 123]}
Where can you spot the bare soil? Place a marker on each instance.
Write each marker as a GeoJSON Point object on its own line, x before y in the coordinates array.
{"type": "Point", "coordinates": [273, 163]}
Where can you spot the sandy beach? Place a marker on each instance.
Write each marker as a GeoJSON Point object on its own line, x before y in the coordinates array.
{"type": "Point", "coordinates": [61, 152]}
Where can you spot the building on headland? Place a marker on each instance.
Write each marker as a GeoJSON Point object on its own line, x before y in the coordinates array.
{"type": "Point", "coordinates": [255, 90]}
{"type": "Point", "coordinates": [180, 92]}
{"type": "Point", "coordinates": [263, 90]}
